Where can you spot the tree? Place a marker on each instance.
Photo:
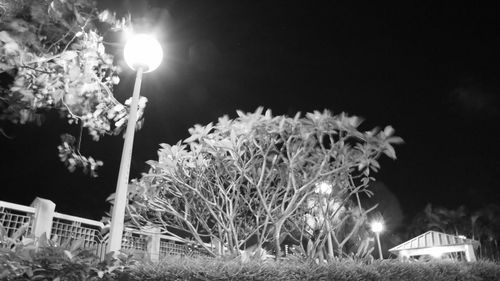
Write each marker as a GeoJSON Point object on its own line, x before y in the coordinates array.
{"type": "Point", "coordinates": [486, 229]}
{"type": "Point", "coordinates": [53, 58]}
{"type": "Point", "coordinates": [258, 178]}
{"type": "Point", "coordinates": [456, 222]}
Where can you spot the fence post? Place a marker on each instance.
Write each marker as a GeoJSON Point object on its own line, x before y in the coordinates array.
{"type": "Point", "coordinates": [44, 214]}
{"type": "Point", "coordinates": [469, 253]}
{"type": "Point", "coordinates": [153, 245]}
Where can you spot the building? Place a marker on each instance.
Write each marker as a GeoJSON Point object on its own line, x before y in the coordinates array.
{"type": "Point", "coordinates": [437, 244]}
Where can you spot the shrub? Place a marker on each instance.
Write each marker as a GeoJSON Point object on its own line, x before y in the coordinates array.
{"type": "Point", "coordinates": [24, 257]}
{"type": "Point", "coordinates": [261, 179]}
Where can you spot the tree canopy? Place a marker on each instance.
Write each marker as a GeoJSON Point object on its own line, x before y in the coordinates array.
{"type": "Point", "coordinates": [53, 58]}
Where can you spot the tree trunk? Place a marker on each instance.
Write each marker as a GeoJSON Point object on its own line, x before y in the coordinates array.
{"type": "Point", "coordinates": [277, 244]}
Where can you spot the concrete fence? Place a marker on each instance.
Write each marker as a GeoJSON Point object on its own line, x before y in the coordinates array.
{"type": "Point", "coordinates": [41, 217]}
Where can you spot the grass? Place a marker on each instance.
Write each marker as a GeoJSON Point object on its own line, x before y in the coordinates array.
{"type": "Point", "coordinates": [178, 268]}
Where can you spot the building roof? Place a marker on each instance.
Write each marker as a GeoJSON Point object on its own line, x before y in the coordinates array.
{"type": "Point", "coordinates": [433, 239]}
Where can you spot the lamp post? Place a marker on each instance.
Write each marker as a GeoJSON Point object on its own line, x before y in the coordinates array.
{"type": "Point", "coordinates": [143, 54]}
{"type": "Point", "coordinates": [377, 227]}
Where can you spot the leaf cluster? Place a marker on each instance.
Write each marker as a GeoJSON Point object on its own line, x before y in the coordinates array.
{"type": "Point", "coordinates": [52, 57]}
{"type": "Point", "coordinates": [24, 257]}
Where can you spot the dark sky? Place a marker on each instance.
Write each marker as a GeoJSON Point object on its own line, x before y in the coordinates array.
{"type": "Point", "coordinates": [429, 69]}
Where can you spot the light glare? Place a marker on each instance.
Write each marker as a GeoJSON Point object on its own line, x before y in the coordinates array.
{"type": "Point", "coordinates": [377, 226]}
{"type": "Point", "coordinates": [436, 252]}
{"type": "Point", "coordinates": [142, 50]}
{"type": "Point", "coordinates": [324, 188]}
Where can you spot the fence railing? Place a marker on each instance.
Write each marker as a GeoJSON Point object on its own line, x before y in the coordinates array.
{"type": "Point", "coordinates": [42, 218]}
{"type": "Point", "coordinates": [13, 216]}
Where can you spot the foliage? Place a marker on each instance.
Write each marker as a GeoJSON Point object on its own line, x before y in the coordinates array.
{"type": "Point", "coordinates": [21, 260]}
{"type": "Point", "coordinates": [24, 257]}
{"type": "Point", "coordinates": [53, 58]}
{"type": "Point", "coordinates": [258, 179]}
{"type": "Point", "coordinates": [482, 225]}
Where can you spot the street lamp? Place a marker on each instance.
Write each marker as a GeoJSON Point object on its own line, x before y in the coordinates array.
{"type": "Point", "coordinates": [377, 227]}
{"type": "Point", "coordinates": [143, 54]}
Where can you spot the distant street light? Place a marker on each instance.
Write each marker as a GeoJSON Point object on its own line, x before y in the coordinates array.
{"type": "Point", "coordinates": [377, 227]}
{"type": "Point", "coordinates": [323, 188]}
{"type": "Point", "coordinates": [143, 54]}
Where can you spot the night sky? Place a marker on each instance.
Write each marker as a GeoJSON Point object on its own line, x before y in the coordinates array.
{"type": "Point", "coordinates": [429, 69]}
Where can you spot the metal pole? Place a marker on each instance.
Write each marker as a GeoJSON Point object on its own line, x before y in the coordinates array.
{"type": "Point", "coordinates": [118, 215]}
{"type": "Point", "coordinates": [379, 248]}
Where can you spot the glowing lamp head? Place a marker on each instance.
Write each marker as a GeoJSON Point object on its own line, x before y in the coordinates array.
{"type": "Point", "coordinates": [142, 50]}
{"type": "Point", "coordinates": [377, 226]}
